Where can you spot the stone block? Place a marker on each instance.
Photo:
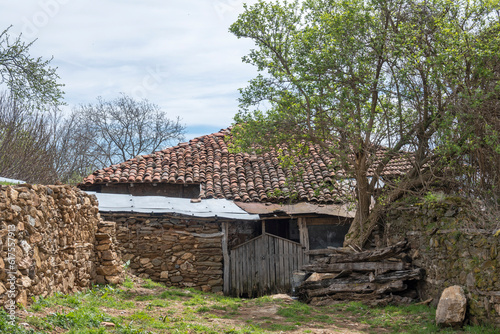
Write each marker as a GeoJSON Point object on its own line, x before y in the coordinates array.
{"type": "Point", "coordinates": [157, 261]}
{"type": "Point", "coordinates": [451, 307]}
{"type": "Point", "coordinates": [108, 255]}
{"type": "Point", "coordinates": [108, 270]}
{"type": "Point", "coordinates": [100, 279]}
{"type": "Point", "coordinates": [103, 247]}
{"type": "Point", "coordinates": [114, 279]}
{"type": "Point", "coordinates": [176, 279]}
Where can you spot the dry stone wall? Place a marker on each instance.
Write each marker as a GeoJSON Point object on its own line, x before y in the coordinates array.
{"type": "Point", "coordinates": [183, 252]}
{"type": "Point", "coordinates": [109, 265]}
{"type": "Point", "coordinates": [47, 240]}
{"type": "Point", "coordinates": [451, 252]}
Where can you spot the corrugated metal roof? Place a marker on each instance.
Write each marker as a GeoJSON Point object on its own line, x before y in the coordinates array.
{"type": "Point", "coordinates": [4, 179]}
{"type": "Point", "coordinates": [208, 208]}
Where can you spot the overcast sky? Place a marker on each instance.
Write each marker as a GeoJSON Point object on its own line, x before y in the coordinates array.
{"type": "Point", "coordinates": [176, 53]}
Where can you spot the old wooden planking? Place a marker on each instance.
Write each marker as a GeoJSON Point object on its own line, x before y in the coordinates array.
{"type": "Point", "coordinates": [262, 259]}
{"type": "Point", "coordinates": [227, 261]}
{"type": "Point", "coordinates": [250, 266]}
{"type": "Point", "coordinates": [276, 264]}
{"type": "Point", "coordinates": [356, 266]}
{"type": "Point", "coordinates": [379, 288]}
{"type": "Point", "coordinates": [287, 274]}
{"type": "Point", "coordinates": [264, 265]}
{"type": "Point", "coordinates": [282, 261]}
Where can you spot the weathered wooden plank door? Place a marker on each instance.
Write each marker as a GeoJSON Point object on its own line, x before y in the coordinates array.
{"type": "Point", "coordinates": [264, 265]}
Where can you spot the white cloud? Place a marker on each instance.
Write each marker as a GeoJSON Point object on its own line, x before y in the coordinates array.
{"type": "Point", "coordinates": [178, 54]}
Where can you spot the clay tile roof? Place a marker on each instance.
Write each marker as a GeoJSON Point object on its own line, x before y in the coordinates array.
{"type": "Point", "coordinates": [243, 177]}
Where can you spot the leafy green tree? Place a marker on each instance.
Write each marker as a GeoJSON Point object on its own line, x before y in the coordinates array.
{"type": "Point", "coordinates": [30, 80]}
{"type": "Point", "coordinates": [351, 75]}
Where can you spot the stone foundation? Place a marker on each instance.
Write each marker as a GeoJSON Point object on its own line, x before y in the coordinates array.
{"type": "Point", "coordinates": [109, 265]}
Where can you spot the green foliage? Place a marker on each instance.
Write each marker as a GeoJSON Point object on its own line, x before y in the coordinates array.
{"type": "Point", "coordinates": [78, 318]}
{"type": "Point", "coordinates": [174, 294]}
{"type": "Point", "coordinates": [84, 313]}
{"type": "Point", "coordinates": [30, 80]}
{"type": "Point", "coordinates": [128, 283]}
{"type": "Point", "coordinates": [350, 75]}
{"type": "Point", "coordinates": [433, 197]}
{"type": "Point", "coordinates": [149, 284]}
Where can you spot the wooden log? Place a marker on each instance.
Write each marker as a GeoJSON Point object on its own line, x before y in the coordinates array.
{"type": "Point", "coordinates": [375, 288]}
{"type": "Point", "coordinates": [356, 266]}
{"type": "Point", "coordinates": [329, 251]}
{"type": "Point", "coordinates": [403, 275]}
{"type": "Point", "coordinates": [342, 255]}
{"type": "Point", "coordinates": [322, 276]}
{"type": "Point", "coordinates": [368, 299]}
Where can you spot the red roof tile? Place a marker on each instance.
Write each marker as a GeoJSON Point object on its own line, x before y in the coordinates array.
{"type": "Point", "coordinates": [237, 176]}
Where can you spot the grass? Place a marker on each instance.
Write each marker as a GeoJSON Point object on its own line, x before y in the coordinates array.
{"type": "Point", "coordinates": [158, 309]}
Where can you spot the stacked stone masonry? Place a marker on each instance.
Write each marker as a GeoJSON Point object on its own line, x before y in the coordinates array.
{"type": "Point", "coordinates": [452, 251]}
{"type": "Point", "coordinates": [47, 240]}
{"type": "Point", "coordinates": [109, 265]}
{"type": "Point", "coordinates": [182, 252]}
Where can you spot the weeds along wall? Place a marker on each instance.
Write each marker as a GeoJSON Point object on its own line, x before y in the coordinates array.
{"type": "Point", "coordinates": [182, 252]}
{"type": "Point", "coordinates": [48, 242]}
{"type": "Point", "coordinates": [455, 246]}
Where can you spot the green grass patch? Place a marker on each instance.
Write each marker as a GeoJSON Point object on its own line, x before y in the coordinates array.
{"type": "Point", "coordinates": [174, 294]}
{"type": "Point", "coordinates": [127, 283]}
{"type": "Point", "coordinates": [149, 284]}
{"type": "Point", "coordinates": [174, 310]}
{"type": "Point", "coordinates": [196, 300]}
{"type": "Point", "coordinates": [78, 319]}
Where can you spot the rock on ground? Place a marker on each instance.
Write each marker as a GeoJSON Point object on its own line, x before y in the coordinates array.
{"type": "Point", "coordinates": [451, 307]}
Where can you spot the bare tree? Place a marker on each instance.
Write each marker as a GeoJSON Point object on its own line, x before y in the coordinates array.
{"type": "Point", "coordinates": [120, 129]}
{"type": "Point", "coordinates": [71, 160]}
{"type": "Point", "coordinates": [26, 150]}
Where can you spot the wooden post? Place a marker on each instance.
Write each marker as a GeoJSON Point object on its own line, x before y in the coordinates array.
{"type": "Point", "coordinates": [263, 227]}
{"type": "Point", "coordinates": [304, 237]}
{"type": "Point", "coordinates": [227, 261]}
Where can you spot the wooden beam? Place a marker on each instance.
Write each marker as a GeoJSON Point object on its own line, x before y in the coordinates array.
{"type": "Point", "coordinates": [304, 237]}
{"type": "Point", "coordinates": [412, 274]}
{"type": "Point", "coordinates": [356, 266]}
{"type": "Point", "coordinates": [347, 255]}
{"type": "Point", "coordinates": [377, 288]}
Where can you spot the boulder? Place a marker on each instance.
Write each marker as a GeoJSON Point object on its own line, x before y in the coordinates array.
{"type": "Point", "coordinates": [451, 307]}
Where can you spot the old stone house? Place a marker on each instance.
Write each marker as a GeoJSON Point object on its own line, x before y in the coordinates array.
{"type": "Point", "coordinates": [198, 215]}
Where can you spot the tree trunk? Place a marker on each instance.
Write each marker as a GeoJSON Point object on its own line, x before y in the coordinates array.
{"type": "Point", "coordinates": [363, 194]}
{"type": "Point", "coordinates": [358, 237]}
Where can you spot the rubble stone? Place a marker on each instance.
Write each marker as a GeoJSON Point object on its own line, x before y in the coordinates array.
{"type": "Point", "coordinates": [451, 307]}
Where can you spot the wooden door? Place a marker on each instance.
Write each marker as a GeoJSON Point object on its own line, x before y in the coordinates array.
{"type": "Point", "coordinates": [264, 265]}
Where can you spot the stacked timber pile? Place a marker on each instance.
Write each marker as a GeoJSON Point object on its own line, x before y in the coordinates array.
{"type": "Point", "coordinates": [376, 277]}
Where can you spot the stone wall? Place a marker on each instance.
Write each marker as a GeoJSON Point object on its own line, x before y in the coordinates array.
{"type": "Point", "coordinates": [184, 252]}
{"type": "Point", "coordinates": [448, 245]}
{"type": "Point", "coordinates": [47, 240]}
{"type": "Point", "coordinates": [109, 267]}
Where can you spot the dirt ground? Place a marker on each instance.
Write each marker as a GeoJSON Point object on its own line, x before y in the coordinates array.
{"type": "Point", "coordinates": [248, 313]}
